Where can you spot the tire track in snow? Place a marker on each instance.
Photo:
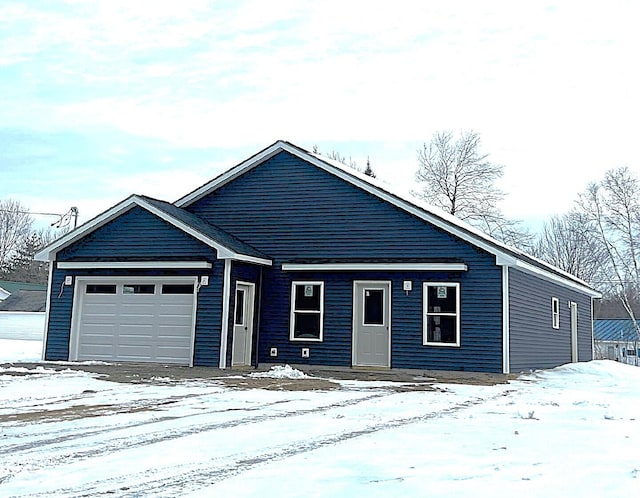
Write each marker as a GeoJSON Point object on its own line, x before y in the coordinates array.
{"type": "Point", "coordinates": [203, 475]}
{"type": "Point", "coordinates": [77, 452]}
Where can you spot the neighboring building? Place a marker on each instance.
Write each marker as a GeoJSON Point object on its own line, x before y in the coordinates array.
{"type": "Point", "coordinates": [616, 339]}
{"type": "Point", "coordinates": [31, 301]}
{"type": "Point", "coordinates": [292, 258]}
{"type": "Point", "coordinates": [8, 287]}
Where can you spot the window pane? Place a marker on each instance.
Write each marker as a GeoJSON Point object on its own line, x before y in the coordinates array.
{"type": "Point", "coordinates": [177, 289]}
{"type": "Point", "coordinates": [306, 326]}
{"type": "Point", "coordinates": [441, 329]}
{"type": "Point", "coordinates": [307, 297]}
{"type": "Point", "coordinates": [101, 289]}
{"type": "Point", "coordinates": [239, 307]}
{"type": "Point", "coordinates": [441, 299]}
{"type": "Point", "coordinates": [374, 307]}
{"type": "Point", "coordinates": [138, 289]}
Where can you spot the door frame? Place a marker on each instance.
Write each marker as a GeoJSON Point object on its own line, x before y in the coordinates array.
{"type": "Point", "coordinates": [573, 312]}
{"type": "Point", "coordinates": [250, 298]}
{"type": "Point", "coordinates": [354, 325]}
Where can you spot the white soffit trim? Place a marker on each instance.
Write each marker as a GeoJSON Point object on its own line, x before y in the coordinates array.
{"type": "Point", "coordinates": [534, 270]}
{"type": "Point", "coordinates": [502, 256]}
{"type": "Point", "coordinates": [48, 254]}
{"type": "Point", "coordinates": [374, 266]}
{"type": "Point", "coordinates": [100, 265]}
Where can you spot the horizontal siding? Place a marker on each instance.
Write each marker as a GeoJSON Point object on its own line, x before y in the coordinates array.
{"type": "Point", "coordinates": [534, 341]}
{"type": "Point", "coordinates": [481, 347]}
{"type": "Point", "coordinates": [137, 234]}
{"type": "Point", "coordinates": [291, 210]}
{"type": "Point", "coordinates": [59, 326]}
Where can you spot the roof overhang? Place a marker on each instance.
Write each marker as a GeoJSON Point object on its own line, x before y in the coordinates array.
{"type": "Point", "coordinates": [116, 265]}
{"type": "Point", "coordinates": [505, 255]}
{"type": "Point", "coordinates": [374, 267]}
{"type": "Point", "coordinates": [223, 252]}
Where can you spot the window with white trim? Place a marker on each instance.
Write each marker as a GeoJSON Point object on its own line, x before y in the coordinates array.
{"type": "Point", "coordinates": [441, 320]}
{"type": "Point", "coordinates": [555, 312]}
{"type": "Point", "coordinates": [307, 311]}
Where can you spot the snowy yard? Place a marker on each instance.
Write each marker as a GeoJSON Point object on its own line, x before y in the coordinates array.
{"type": "Point", "coordinates": [571, 431]}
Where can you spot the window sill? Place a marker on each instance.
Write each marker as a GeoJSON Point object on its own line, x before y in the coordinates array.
{"type": "Point", "coordinates": [442, 344]}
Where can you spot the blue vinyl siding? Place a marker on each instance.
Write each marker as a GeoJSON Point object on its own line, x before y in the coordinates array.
{"type": "Point", "coordinates": [534, 342]}
{"type": "Point", "coordinates": [137, 234]}
{"type": "Point", "coordinates": [481, 332]}
{"type": "Point", "coordinates": [291, 210]}
{"type": "Point", "coordinates": [57, 346]}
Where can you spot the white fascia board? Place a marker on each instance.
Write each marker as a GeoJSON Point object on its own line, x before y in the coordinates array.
{"type": "Point", "coordinates": [252, 259]}
{"type": "Point", "coordinates": [374, 266]}
{"type": "Point", "coordinates": [48, 254]}
{"type": "Point", "coordinates": [101, 265]}
{"type": "Point", "coordinates": [234, 172]}
{"type": "Point", "coordinates": [223, 252]}
{"type": "Point", "coordinates": [503, 257]}
{"type": "Point", "coordinates": [540, 272]}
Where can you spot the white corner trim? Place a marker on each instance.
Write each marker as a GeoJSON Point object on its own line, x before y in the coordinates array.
{"type": "Point", "coordinates": [506, 340]}
{"type": "Point", "coordinates": [101, 265]}
{"type": "Point", "coordinates": [47, 311]}
{"type": "Point", "coordinates": [226, 296]}
{"type": "Point", "coordinates": [374, 266]}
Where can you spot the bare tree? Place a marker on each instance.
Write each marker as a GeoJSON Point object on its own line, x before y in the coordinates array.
{"type": "Point", "coordinates": [459, 179]}
{"type": "Point", "coordinates": [613, 207]}
{"type": "Point", "coordinates": [15, 228]}
{"type": "Point", "coordinates": [567, 242]}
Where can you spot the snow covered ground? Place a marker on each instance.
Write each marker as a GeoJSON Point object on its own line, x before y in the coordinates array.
{"type": "Point", "coordinates": [571, 431]}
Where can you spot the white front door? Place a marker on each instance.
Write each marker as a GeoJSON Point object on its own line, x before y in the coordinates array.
{"type": "Point", "coordinates": [372, 324]}
{"type": "Point", "coordinates": [243, 324]}
{"type": "Point", "coordinates": [574, 332]}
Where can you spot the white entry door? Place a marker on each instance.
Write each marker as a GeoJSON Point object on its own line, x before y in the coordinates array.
{"type": "Point", "coordinates": [574, 332]}
{"type": "Point", "coordinates": [243, 324]}
{"type": "Point", "coordinates": [372, 324]}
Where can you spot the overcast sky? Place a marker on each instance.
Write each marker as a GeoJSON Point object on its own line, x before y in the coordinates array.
{"type": "Point", "coordinates": [101, 99]}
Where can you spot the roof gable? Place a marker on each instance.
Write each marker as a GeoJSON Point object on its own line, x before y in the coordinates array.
{"type": "Point", "coordinates": [227, 246]}
{"type": "Point", "coordinates": [505, 255]}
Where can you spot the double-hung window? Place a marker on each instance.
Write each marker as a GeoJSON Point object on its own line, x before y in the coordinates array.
{"type": "Point", "coordinates": [441, 326]}
{"type": "Point", "coordinates": [307, 310]}
{"type": "Point", "coordinates": [555, 312]}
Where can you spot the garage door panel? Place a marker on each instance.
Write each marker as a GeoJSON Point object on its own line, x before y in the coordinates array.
{"type": "Point", "coordinates": [141, 327]}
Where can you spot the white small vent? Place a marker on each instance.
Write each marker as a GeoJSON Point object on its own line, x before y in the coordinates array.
{"type": "Point", "coordinates": [305, 352]}
{"type": "Point", "coordinates": [274, 352]}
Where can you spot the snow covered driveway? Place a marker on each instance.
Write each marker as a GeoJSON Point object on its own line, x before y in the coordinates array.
{"type": "Point", "coordinates": [573, 431]}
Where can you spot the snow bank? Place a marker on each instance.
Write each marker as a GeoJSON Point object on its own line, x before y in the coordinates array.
{"type": "Point", "coordinates": [280, 372]}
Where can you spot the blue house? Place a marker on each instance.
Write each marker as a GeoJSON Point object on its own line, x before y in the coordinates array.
{"type": "Point", "coordinates": [289, 257]}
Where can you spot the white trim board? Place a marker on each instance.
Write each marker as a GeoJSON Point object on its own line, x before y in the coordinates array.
{"type": "Point", "coordinates": [48, 254]}
{"type": "Point", "coordinates": [374, 266]}
{"type": "Point", "coordinates": [101, 265]}
{"type": "Point", "coordinates": [505, 255]}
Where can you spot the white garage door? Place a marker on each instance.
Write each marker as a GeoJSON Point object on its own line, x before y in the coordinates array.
{"type": "Point", "coordinates": [135, 320]}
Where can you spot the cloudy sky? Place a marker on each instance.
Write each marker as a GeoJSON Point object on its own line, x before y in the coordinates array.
{"type": "Point", "coordinates": [99, 100]}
